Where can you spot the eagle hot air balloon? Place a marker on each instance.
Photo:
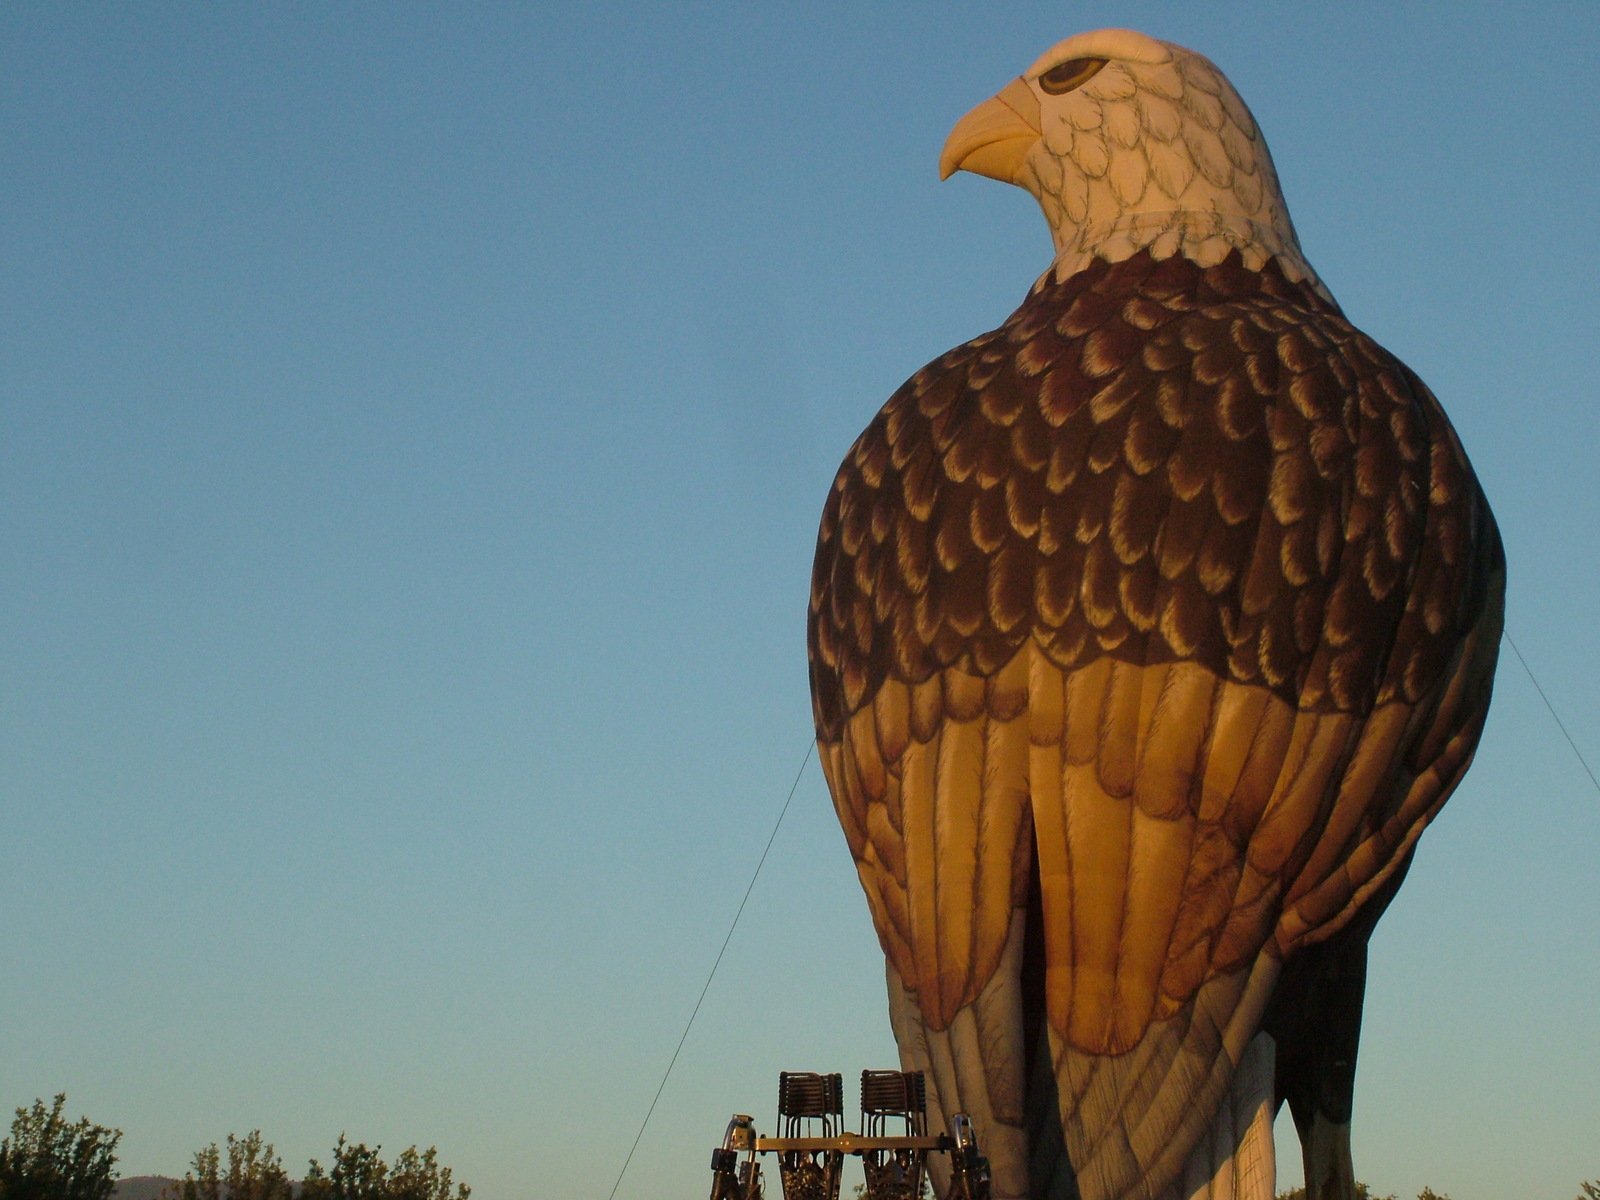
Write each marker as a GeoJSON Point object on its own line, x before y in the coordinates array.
{"type": "Point", "coordinates": [1146, 634]}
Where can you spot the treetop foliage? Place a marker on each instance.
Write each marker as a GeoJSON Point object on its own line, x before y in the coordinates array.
{"type": "Point", "coordinates": [254, 1172]}
{"type": "Point", "coordinates": [357, 1172]}
{"type": "Point", "coordinates": [1364, 1192]}
{"type": "Point", "coordinates": [47, 1158]}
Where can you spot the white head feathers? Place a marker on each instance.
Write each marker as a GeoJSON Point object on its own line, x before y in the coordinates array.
{"type": "Point", "coordinates": [1131, 143]}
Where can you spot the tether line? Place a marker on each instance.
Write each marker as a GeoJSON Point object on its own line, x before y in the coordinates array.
{"type": "Point", "coordinates": [1555, 716]}
{"type": "Point", "coordinates": [793, 787]}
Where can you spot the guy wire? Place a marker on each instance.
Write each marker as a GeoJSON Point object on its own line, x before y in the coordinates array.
{"type": "Point", "coordinates": [793, 787]}
{"type": "Point", "coordinates": [1555, 716]}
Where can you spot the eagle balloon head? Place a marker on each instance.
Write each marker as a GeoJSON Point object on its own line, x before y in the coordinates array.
{"type": "Point", "coordinates": [1131, 143]}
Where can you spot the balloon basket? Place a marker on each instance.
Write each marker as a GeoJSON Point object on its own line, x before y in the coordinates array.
{"type": "Point", "coordinates": [812, 1143]}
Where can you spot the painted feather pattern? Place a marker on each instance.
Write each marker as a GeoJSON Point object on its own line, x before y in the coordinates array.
{"type": "Point", "coordinates": [1146, 633]}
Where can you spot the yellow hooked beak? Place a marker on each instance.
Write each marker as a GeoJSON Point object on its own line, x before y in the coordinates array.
{"type": "Point", "coordinates": [995, 137]}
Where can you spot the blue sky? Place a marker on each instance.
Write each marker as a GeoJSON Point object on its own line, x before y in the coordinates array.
{"type": "Point", "coordinates": [413, 426]}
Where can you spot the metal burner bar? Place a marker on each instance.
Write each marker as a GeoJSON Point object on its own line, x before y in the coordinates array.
{"type": "Point", "coordinates": [853, 1143]}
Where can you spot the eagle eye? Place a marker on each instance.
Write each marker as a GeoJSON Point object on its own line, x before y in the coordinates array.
{"type": "Point", "coordinates": [1065, 76]}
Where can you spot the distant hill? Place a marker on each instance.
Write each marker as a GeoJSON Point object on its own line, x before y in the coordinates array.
{"type": "Point", "coordinates": [140, 1187]}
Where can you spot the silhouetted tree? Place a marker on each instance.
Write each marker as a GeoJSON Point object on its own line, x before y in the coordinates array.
{"type": "Point", "coordinates": [255, 1172]}
{"type": "Point", "coordinates": [359, 1173]}
{"type": "Point", "coordinates": [1363, 1192]}
{"type": "Point", "coordinates": [46, 1158]}
{"type": "Point", "coordinates": [420, 1177]}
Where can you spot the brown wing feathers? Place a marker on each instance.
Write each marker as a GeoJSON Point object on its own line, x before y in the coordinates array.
{"type": "Point", "coordinates": [1157, 582]}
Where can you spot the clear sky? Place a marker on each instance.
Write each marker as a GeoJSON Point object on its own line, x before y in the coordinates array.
{"type": "Point", "coordinates": [413, 427]}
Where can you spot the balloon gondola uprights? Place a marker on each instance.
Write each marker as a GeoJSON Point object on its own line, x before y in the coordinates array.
{"type": "Point", "coordinates": [812, 1143]}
